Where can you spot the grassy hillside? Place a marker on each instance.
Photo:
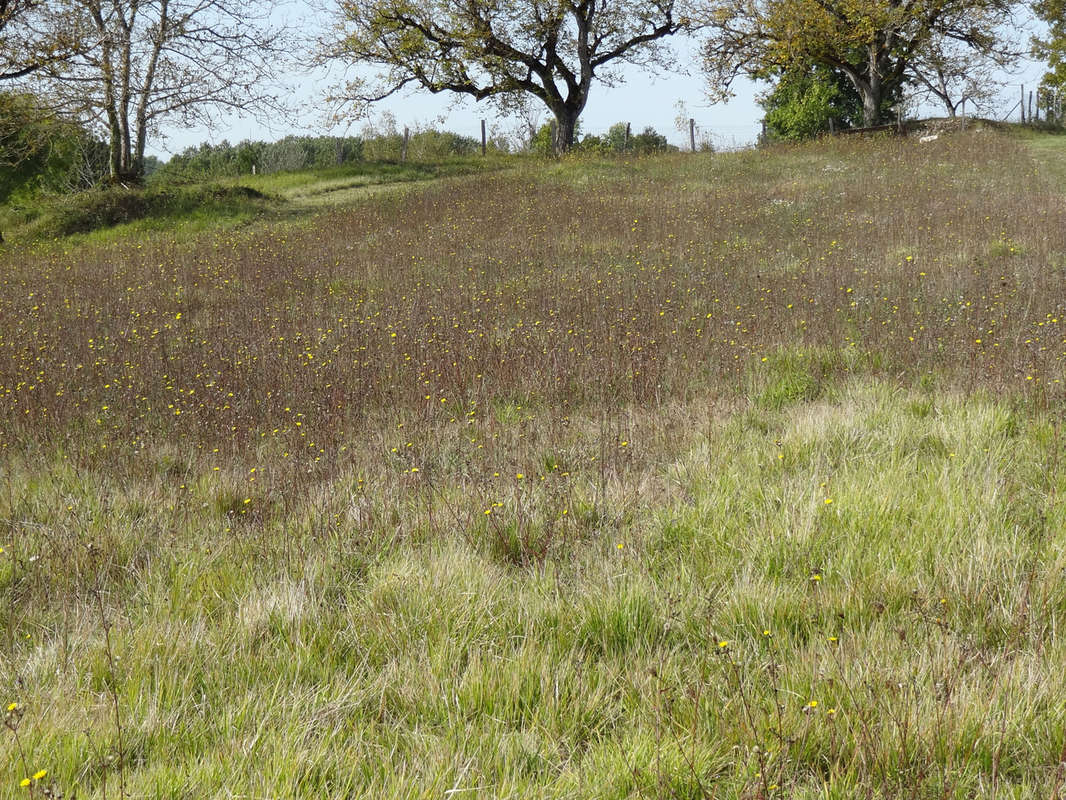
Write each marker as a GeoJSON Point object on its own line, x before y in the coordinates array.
{"type": "Point", "coordinates": [697, 476]}
{"type": "Point", "coordinates": [195, 205]}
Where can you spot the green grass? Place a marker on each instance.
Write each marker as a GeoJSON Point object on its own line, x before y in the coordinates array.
{"type": "Point", "coordinates": [339, 185]}
{"type": "Point", "coordinates": [1049, 152]}
{"type": "Point", "coordinates": [198, 206]}
{"type": "Point", "coordinates": [682, 477]}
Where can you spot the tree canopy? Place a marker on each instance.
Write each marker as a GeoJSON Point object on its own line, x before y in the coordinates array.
{"type": "Point", "coordinates": [880, 45]}
{"type": "Point", "coordinates": [503, 50]}
{"type": "Point", "coordinates": [1052, 46]}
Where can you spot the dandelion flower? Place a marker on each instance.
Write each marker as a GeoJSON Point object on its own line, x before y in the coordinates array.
{"type": "Point", "coordinates": [39, 774]}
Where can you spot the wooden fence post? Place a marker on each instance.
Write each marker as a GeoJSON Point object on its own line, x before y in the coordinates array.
{"type": "Point", "coordinates": [692, 133]}
{"type": "Point", "coordinates": [484, 141]}
{"type": "Point", "coordinates": [625, 141]}
{"type": "Point", "coordinates": [406, 138]}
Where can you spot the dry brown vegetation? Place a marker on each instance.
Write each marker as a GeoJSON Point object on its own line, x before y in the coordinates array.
{"type": "Point", "coordinates": [564, 287]}
{"type": "Point", "coordinates": [540, 370]}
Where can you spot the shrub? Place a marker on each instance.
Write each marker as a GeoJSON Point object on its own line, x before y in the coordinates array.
{"type": "Point", "coordinates": [116, 205]}
{"type": "Point", "coordinates": [804, 100]}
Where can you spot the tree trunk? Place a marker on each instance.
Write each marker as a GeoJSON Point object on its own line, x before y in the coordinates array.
{"type": "Point", "coordinates": [114, 149]}
{"type": "Point", "coordinates": [880, 81]}
{"type": "Point", "coordinates": [114, 126]}
{"type": "Point", "coordinates": [565, 129]}
{"type": "Point", "coordinates": [145, 91]}
{"type": "Point", "coordinates": [125, 95]}
{"type": "Point", "coordinates": [871, 98]}
{"type": "Point", "coordinates": [870, 104]}
{"type": "Point", "coordinates": [872, 93]}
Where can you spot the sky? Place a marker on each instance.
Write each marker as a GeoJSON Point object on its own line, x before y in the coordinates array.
{"type": "Point", "coordinates": [643, 99]}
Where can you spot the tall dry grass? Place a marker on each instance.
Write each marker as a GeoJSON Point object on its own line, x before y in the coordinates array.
{"type": "Point", "coordinates": [461, 473]}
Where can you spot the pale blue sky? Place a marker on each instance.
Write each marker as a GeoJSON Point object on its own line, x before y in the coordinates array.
{"type": "Point", "coordinates": [644, 99]}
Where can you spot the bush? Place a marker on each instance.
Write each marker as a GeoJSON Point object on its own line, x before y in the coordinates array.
{"type": "Point", "coordinates": [805, 99]}
{"type": "Point", "coordinates": [40, 152]}
{"type": "Point", "coordinates": [614, 141]}
{"type": "Point", "coordinates": [291, 154]}
{"type": "Point", "coordinates": [541, 143]}
{"type": "Point", "coordinates": [102, 208]}
{"type": "Point", "coordinates": [649, 141]}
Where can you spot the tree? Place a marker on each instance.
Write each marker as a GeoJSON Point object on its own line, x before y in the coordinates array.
{"type": "Point", "coordinates": [1052, 47]}
{"type": "Point", "coordinates": [877, 44]}
{"type": "Point", "coordinates": [34, 34]}
{"type": "Point", "coordinates": [503, 50]}
{"type": "Point", "coordinates": [182, 60]}
{"type": "Point", "coordinates": [955, 74]}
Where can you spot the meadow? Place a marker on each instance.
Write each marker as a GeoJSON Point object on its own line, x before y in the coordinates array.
{"type": "Point", "coordinates": [690, 476]}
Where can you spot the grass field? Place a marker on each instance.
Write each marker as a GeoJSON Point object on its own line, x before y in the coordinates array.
{"type": "Point", "coordinates": [730, 476]}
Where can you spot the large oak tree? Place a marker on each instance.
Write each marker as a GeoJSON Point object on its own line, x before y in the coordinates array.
{"type": "Point", "coordinates": [504, 50]}
{"type": "Point", "coordinates": [880, 45]}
